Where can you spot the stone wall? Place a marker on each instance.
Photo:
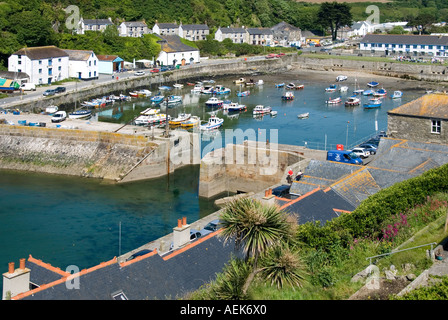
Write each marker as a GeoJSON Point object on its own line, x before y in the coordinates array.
{"type": "Point", "coordinates": [74, 152]}
{"type": "Point", "coordinates": [415, 129]}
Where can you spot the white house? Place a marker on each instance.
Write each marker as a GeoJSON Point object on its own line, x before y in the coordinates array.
{"type": "Point", "coordinates": [93, 25]}
{"type": "Point", "coordinates": [133, 29]}
{"type": "Point", "coordinates": [360, 29]}
{"type": "Point", "coordinates": [194, 32]}
{"type": "Point", "coordinates": [405, 44]}
{"type": "Point", "coordinates": [174, 52]}
{"type": "Point", "coordinates": [168, 29]}
{"type": "Point", "coordinates": [237, 35]}
{"type": "Point", "coordinates": [82, 64]}
{"type": "Point", "coordinates": [43, 65]}
{"type": "Point", "coordinates": [260, 36]}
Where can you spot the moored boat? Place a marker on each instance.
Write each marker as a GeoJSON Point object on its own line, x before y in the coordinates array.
{"type": "Point", "coordinates": [353, 101]}
{"type": "Point", "coordinates": [80, 114]}
{"type": "Point", "coordinates": [380, 93]}
{"type": "Point", "coordinates": [372, 84]}
{"type": "Point", "coordinates": [260, 109]}
{"type": "Point", "coordinates": [221, 90]}
{"type": "Point", "coordinates": [373, 103]}
{"type": "Point", "coordinates": [239, 81]}
{"type": "Point", "coordinates": [397, 94]}
{"type": "Point", "coordinates": [303, 115]}
{"type": "Point", "coordinates": [280, 85]}
{"type": "Point", "coordinates": [331, 88]}
{"type": "Point", "coordinates": [243, 93]}
{"type": "Point", "coordinates": [234, 106]}
{"type": "Point", "coordinates": [191, 122]}
{"type": "Point", "coordinates": [157, 99]}
{"type": "Point", "coordinates": [288, 96]}
{"type": "Point", "coordinates": [334, 100]}
{"type": "Point", "coordinates": [343, 89]}
{"type": "Point", "coordinates": [172, 100]}
{"type": "Point", "coordinates": [214, 102]}
{"type": "Point", "coordinates": [368, 92]}
{"type": "Point", "coordinates": [180, 119]}
{"type": "Point", "coordinates": [213, 123]}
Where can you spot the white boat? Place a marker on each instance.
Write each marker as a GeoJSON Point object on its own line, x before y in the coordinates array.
{"type": "Point", "coordinates": [197, 88]}
{"type": "Point", "coordinates": [380, 93]}
{"type": "Point", "coordinates": [179, 119]}
{"type": "Point", "coordinates": [341, 78]}
{"type": "Point", "coordinates": [149, 111]}
{"type": "Point", "coordinates": [207, 89]}
{"type": "Point", "coordinates": [191, 122]}
{"type": "Point", "coordinates": [80, 114]}
{"type": "Point", "coordinates": [343, 89]}
{"type": "Point", "coordinates": [240, 81]}
{"type": "Point", "coordinates": [352, 101]}
{"type": "Point", "coordinates": [260, 109]}
{"type": "Point", "coordinates": [151, 119]}
{"type": "Point", "coordinates": [334, 101]}
{"type": "Point", "coordinates": [373, 103]}
{"type": "Point", "coordinates": [288, 96]}
{"type": "Point", "coordinates": [303, 115]}
{"type": "Point", "coordinates": [213, 123]}
{"type": "Point", "coordinates": [214, 102]}
{"type": "Point", "coordinates": [172, 100]}
{"type": "Point", "coordinates": [51, 109]}
{"type": "Point", "coordinates": [273, 113]}
{"type": "Point", "coordinates": [178, 86]}
{"type": "Point", "coordinates": [397, 94]}
{"type": "Point", "coordinates": [157, 99]}
{"type": "Point", "coordinates": [161, 88]}
{"type": "Point", "coordinates": [221, 90]}
{"type": "Point", "coordinates": [234, 106]}
{"type": "Point", "coordinates": [290, 86]}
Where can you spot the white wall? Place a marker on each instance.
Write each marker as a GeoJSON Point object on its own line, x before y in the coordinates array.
{"type": "Point", "coordinates": [167, 58]}
{"type": "Point", "coordinates": [38, 70]}
{"type": "Point", "coordinates": [89, 69]}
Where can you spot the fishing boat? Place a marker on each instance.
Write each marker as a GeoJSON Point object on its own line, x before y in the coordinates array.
{"type": "Point", "coordinates": [214, 102]}
{"type": "Point", "coordinates": [303, 115]}
{"type": "Point", "coordinates": [182, 117]}
{"type": "Point", "coordinates": [152, 119]}
{"type": "Point", "coordinates": [288, 96]}
{"type": "Point", "coordinates": [373, 103]}
{"type": "Point", "coordinates": [221, 90]}
{"type": "Point", "coordinates": [397, 94]}
{"type": "Point", "coordinates": [334, 100]}
{"type": "Point", "coordinates": [343, 89]}
{"type": "Point", "coordinates": [213, 123]}
{"type": "Point", "coordinates": [243, 93]}
{"type": "Point", "coordinates": [260, 109]}
{"type": "Point", "coordinates": [234, 106]}
{"type": "Point", "coordinates": [193, 121]}
{"type": "Point", "coordinates": [157, 99]}
{"type": "Point", "coordinates": [51, 109]}
{"type": "Point", "coordinates": [280, 85]}
{"type": "Point", "coordinates": [331, 88]}
{"type": "Point", "coordinates": [290, 86]}
{"type": "Point", "coordinates": [207, 89]}
{"type": "Point", "coordinates": [353, 101]}
{"type": "Point", "coordinates": [80, 114]}
{"type": "Point", "coordinates": [372, 84]}
{"type": "Point", "coordinates": [380, 93]}
{"type": "Point", "coordinates": [368, 92]}
{"type": "Point", "coordinates": [172, 100]}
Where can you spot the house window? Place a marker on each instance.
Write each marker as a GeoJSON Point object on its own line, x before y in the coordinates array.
{"type": "Point", "coordinates": [40, 71]}
{"type": "Point", "coordinates": [50, 71]}
{"type": "Point", "coordinates": [50, 62]}
{"type": "Point", "coordinates": [436, 126]}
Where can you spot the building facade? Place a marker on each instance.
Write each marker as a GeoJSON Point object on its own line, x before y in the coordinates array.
{"type": "Point", "coordinates": [168, 29]}
{"type": "Point", "coordinates": [286, 35]}
{"type": "Point", "coordinates": [43, 65]}
{"type": "Point", "coordinates": [194, 32]}
{"type": "Point", "coordinates": [93, 25]}
{"type": "Point", "coordinates": [108, 64]}
{"type": "Point", "coordinates": [260, 36]}
{"type": "Point", "coordinates": [405, 44]}
{"type": "Point", "coordinates": [133, 29]}
{"type": "Point", "coordinates": [83, 64]}
{"type": "Point", "coordinates": [237, 35]}
{"type": "Point", "coordinates": [174, 52]}
{"type": "Point", "coordinates": [423, 120]}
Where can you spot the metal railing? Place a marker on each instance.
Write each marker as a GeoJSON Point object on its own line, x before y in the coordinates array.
{"type": "Point", "coordinates": [389, 253]}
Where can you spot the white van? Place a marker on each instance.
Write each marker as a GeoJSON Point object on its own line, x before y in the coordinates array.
{"type": "Point", "coordinates": [59, 116]}
{"type": "Point", "coordinates": [28, 86]}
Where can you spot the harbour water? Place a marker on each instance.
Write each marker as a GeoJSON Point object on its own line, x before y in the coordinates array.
{"type": "Point", "coordinates": [72, 221]}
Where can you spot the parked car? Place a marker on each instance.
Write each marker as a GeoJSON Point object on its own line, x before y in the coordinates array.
{"type": "Point", "coordinates": [139, 254]}
{"type": "Point", "coordinates": [369, 147]}
{"type": "Point", "coordinates": [139, 73]}
{"type": "Point", "coordinates": [59, 89]}
{"type": "Point", "coordinates": [49, 92]}
{"type": "Point", "coordinates": [361, 152]}
{"type": "Point", "coordinates": [194, 235]}
{"type": "Point", "coordinates": [154, 70]}
{"type": "Point", "coordinates": [281, 191]}
{"type": "Point", "coordinates": [59, 116]}
{"type": "Point", "coordinates": [212, 226]}
{"type": "Point", "coordinates": [271, 55]}
{"type": "Point", "coordinates": [163, 68]}
{"type": "Point", "coordinates": [28, 87]}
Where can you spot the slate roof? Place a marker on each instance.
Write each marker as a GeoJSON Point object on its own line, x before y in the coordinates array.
{"type": "Point", "coordinates": [434, 105]}
{"type": "Point", "coordinates": [135, 23]}
{"type": "Point", "coordinates": [173, 43]}
{"type": "Point", "coordinates": [108, 57]}
{"type": "Point", "coordinates": [233, 30]}
{"type": "Point", "coordinates": [38, 53]}
{"type": "Point", "coordinates": [405, 39]}
{"type": "Point", "coordinates": [154, 277]}
{"type": "Point", "coordinates": [167, 25]}
{"type": "Point", "coordinates": [260, 31]}
{"type": "Point", "coordinates": [97, 21]}
{"type": "Point", "coordinates": [194, 27]}
{"type": "Point", "coordinates": [79, 55]}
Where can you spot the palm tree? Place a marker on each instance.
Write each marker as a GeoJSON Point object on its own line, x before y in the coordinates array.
{"type": "Point", "coordinates": [254, 227]}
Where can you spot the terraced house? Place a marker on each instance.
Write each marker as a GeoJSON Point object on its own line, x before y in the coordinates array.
{"type": "Point", "coordinates": [133, 29]}
{"type": "Point", "coordinates": [406, 44]}
{"type": "Point", "coordinates": [194, 32]}
{"type": "Point", "coordinates": [237, 35]}
{"type": "Point", "coordinates": [260, 36]}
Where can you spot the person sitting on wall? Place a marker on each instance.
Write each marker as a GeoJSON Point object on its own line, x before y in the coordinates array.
{"type": "Point", "coordinates": [299, 175]}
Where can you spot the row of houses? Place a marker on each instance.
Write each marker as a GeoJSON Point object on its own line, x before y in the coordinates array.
{"type": "Point", "coordinates": [45, 65]}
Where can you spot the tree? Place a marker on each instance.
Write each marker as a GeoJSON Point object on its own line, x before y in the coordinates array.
{"type": "Point", "coordinates": [334, 16]}
{"type": "Point", "coordinates": [255, 228]}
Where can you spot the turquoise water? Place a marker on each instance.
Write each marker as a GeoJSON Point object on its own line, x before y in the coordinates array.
{"type": "Point", "coordinates": [73, 221]}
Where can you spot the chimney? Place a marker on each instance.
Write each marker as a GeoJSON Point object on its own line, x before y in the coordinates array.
{"type": "Point", "coordinates": [268, 198]}
{"type": "Point", "coordinates": [181, 233]}
{"type": "Point", "coordinates": [16, 281]}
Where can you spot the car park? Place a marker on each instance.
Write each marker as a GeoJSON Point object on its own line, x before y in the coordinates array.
{"type": "Point", "coordinates": [361, 152]}
{"type": "Point", "coordinates": [59, 89]}
{"type": "Point", "coordinates": [139, 254]}
{"type": "Point", "coordinates": [212, 226]}
{"type": "Point", "coordinates": [369, 147]}
{"type": "Point", "coordinates": [139, 73]}
{"type": "Point", "coordinates": [49, 92]}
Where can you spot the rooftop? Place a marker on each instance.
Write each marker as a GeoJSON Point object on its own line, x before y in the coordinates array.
{"type": "Point", "coordinates": [405, 39]}
{"type": "Point", "coordinates": [434, 105]}
{"type": "Point", "coordinates": [46, 52]}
